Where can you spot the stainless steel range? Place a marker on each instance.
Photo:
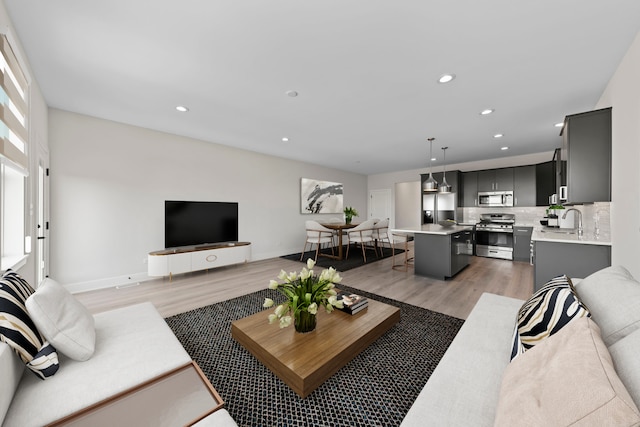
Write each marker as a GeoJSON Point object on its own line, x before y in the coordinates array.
{"type": "Point", "coordinates": [494, 235]}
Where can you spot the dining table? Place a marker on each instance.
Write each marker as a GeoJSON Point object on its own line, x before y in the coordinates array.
{"type": "Point", "coordinates": [339, 227]}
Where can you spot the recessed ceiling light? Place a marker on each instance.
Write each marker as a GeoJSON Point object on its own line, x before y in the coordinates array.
{"type": "Point", "coordinates": [498, 135]}
{"type": "Point", "coordinates": [487, 111]}
{"type": "Point", "coordinates": [559, 125]}
{"type": "Point", "coordinates": [446, 78]}
{"type": "Point", "coordinates": [504, 148]}
{"type": "Point", "coordinates": [285, 139]}
{"type": "Point", "coordinates": [292, 93]}
{"type": "Point", "coordinates": [182, 108]}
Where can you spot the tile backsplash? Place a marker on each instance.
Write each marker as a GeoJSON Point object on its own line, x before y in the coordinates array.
{"type": "Point", "coordinates": [594, 216]}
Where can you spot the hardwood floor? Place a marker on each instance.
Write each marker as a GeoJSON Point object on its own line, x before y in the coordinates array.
{"type": "Point", "coordinates": [455, 297]}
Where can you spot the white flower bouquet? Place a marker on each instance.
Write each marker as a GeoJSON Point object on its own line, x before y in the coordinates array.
{"type": "Point", "coordinates": [305, 293]}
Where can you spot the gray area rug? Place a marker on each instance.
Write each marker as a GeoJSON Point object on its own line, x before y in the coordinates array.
{"type": "Point", "coordinates": [376, 388]}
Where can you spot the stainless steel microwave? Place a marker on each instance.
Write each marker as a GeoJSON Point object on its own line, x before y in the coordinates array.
{"type": "Point", "coordinates": [495, 198]}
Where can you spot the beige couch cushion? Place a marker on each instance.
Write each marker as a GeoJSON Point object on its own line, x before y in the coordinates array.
{"type": "Point", "coordinates": [568, 379]}
{"type": "Point", "coordinates": [463, 389]}
{"type": "Point", "coordinates": [133, 344]}
{"type": "Point", "coordinates": [626, 358]}
{"type": "Point", "coordinates": [613, 298]}
{"type": "Point", "coordinates": [11, 369]}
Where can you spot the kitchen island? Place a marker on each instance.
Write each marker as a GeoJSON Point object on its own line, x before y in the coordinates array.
{"type": "Point", "coordinates": [440, 252]}
{"type": "Point", "coordinates": [562, 251]}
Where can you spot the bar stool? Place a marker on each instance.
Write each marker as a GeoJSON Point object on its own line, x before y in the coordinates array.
{"type": "Point", "coordinates": [403, 238]}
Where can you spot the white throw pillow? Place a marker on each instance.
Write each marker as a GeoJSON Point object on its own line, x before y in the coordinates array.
{"type": "Point", "coordinates": [63, 320]}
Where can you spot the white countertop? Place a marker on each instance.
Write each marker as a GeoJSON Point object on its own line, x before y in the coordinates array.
{"type": "Point", "coordinates": [588, 238]}
{"type": "Point", "coordinates": [433, 229]}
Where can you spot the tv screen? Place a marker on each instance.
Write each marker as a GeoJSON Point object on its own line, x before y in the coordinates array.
{"type": "Point", "coordinates": [198, 223]}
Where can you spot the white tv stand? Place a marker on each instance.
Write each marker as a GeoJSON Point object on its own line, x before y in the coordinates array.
{"type": "Point", "coordinates": [185, 259]}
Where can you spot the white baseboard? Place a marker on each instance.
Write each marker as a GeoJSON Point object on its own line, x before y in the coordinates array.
{"type": "Point", "coordinates": [136, 278]}
{"type": "Point", "coordinates": [109, 282]}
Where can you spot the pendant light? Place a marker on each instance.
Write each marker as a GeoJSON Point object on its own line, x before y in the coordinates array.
{"type": "Point", "coordinates": [444, 187]}
{"type": "Point", "coordinates": [430, 185]}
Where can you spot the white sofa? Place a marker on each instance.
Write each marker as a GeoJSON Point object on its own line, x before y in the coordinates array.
{"type": "Point", "coordinates": [132, 345]}
{"type": "Point", "coordinates": [465, 388]}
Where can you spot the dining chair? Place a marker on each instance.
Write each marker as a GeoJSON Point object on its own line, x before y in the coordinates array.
{"type": "Point", "coordinates": [317, 234]}
{"type": "Point", "coordinates": [363, 234]}
{"type": "Point", "coordinates": [381, 234]}
{"type": "Point", "coordinates": [399, 238]}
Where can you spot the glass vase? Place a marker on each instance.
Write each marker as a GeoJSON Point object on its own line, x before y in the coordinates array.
{"type": "Point", "coordinates": [304, 321]}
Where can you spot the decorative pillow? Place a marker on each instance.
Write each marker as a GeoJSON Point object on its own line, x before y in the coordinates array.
{"type": "Point", "coordinates": [613, 297]}
{"type": "Point", "coordinates": [566, 380]}
{"type": "Point", "coordinates": [546, 312]}
{"type": "Point", "coordinates": [18, 330]}
{"type": "Point", "coordinates": [63, 320]}
{"type": "Point", "coordinates": [516, 348]}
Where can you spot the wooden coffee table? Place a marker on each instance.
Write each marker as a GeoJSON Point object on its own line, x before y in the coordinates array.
{"type": "Point", "coordinates": [305, 361]}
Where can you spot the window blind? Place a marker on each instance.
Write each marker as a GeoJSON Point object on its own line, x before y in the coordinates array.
{"type": "Point", "coordinates": [13, 107]}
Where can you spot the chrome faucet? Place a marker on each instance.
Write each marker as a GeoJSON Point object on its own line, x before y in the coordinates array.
{"type": "Point", "coordinates": [580, 229]}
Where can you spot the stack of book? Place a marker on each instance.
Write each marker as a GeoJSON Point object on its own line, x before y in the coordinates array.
{"type": "Point", "coordinates": [352, 303]}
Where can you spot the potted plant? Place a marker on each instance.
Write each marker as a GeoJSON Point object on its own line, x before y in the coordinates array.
{"type": "Point", "coordinates": [551, 211]}
{"type": "Point", "coordinates": [305, 294]}
{"type": "Point", "coordinates": [349, 213]}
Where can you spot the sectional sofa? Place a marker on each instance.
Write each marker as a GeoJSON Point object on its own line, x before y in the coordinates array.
{"type": "Point", "coordinates": [585, 373]}
{"type": "Point", "coordinates": [113, 351]}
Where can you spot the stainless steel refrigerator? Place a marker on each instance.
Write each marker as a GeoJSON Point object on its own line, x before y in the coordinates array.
{"type": "Point", "coordinates": [439, 207]}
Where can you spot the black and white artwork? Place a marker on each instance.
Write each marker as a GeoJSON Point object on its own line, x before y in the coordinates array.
{"type": "Point", "coordinates": [319, 197]}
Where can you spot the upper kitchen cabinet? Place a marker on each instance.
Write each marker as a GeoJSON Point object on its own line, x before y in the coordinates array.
{"type": "Point", "coordinates": [545, 182]}
{"type": "Point", "coordinates": [495, 180]}
{"type": "Point", "coordinates": [469, 194]}
{"type": "Point", "coordinates": [524, 180]}
{"type": "Point", "coordinates": [586, 147]}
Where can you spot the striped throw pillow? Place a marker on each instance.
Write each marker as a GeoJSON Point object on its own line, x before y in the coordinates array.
{"type": "Point", "coordinates": [548, 310]}
{"type": "Point", "coordinates": [18, 330]}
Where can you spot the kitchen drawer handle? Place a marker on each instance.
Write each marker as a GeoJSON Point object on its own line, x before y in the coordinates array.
{"type": "Point", "coordinates": [211, 258]}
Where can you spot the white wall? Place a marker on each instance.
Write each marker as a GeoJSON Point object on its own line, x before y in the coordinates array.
{"type": "Point", "coordinates": [109, 182]}
{"type": "Point", "coordinates": [623, 94]}
{"type": "Point", "coordinates": [37, 135]}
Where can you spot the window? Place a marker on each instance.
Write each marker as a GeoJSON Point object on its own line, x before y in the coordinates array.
{"type": "Point", "coordinates": [14, 164]}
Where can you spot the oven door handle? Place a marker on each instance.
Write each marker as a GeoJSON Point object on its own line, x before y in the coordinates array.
{"type": "Point", "coordinates": [484, 230]}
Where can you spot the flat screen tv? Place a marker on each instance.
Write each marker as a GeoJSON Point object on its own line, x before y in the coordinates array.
{"type": "Point", "coordinates": [197, 223]}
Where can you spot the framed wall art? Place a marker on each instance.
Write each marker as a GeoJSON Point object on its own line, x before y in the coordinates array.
{"type": "Point", "coordinates": [319, 197]}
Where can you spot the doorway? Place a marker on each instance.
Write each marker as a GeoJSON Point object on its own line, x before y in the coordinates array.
{"type": "Point", "coordinates": [380, 204]}
{"type": "Point", "coordinates": [42, 219]}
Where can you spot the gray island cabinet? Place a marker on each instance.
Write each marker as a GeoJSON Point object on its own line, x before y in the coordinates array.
{"type": "Point", "coordinates": [440, 252]}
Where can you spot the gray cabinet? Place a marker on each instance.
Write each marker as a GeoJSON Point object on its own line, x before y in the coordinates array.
{"type": "Point", "coordinates": [586, 147]}
{"type": "Point", "coordinates": [469, 196]}
{"type": "Point", "coordinates": [553, 259]}
{"type": "Point", "coordinates": [442, 256]}
{"type": "Point", "coordinates": [495, 179]}
{"type": "Point", "coordinates": [524, 182]}
{"type": "Point", "coordinates": [545, 182]}
{"type": "Point", "coordinates": [522, 243]}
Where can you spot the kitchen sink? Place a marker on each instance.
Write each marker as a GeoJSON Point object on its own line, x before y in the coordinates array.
{"type": "Point", "coordinates": [558, 230]}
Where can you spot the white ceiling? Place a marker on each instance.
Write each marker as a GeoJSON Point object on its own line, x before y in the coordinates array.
{"type": "Point", "coordinates": [366, 71]}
